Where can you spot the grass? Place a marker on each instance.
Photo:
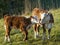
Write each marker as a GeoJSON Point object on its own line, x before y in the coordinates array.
{"type": "Point", "coordinates": [17, 37]}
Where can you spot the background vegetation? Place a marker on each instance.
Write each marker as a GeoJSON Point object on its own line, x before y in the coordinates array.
{"type": "Point", "coordinates": [26, 6]}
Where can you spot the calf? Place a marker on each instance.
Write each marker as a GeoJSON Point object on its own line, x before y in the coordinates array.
{"type": "Point", "coordinates": [45, 20]}
{"type": "Point", "coordinates": [18, 22]}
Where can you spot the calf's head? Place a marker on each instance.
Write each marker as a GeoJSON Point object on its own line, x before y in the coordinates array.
{"type": "Point", "coordinates": [44, 18]}
{"type": "Point", "coordinates": [34, 19]}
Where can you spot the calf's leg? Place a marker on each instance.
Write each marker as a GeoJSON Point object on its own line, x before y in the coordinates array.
{"type": "Point", "coordinates": [36, 30]}
{"type": "Point", "coordinates": [25, 35]}
{"type": "Point", "coordinates": [49, 33]}
{"type": "Point", "coordinates": [7, 34]}
{"type": "Point", "coordinates": [44, 32]}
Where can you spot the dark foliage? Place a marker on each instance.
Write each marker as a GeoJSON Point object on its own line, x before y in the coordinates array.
{"type": "Point", "coordinates": [22, 6]}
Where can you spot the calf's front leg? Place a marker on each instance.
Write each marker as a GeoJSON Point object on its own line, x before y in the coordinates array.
{"type": "Point", "coordinates": [44, 32]}
{"type": "Point", "coordinates": [49, 30]}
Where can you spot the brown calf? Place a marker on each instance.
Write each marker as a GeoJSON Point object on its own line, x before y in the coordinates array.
{"type": "Point", "coordinates": [18, 22]}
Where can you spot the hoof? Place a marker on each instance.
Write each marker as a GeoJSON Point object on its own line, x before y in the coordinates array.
{"type": "Point", "coordinates": [48, 38]}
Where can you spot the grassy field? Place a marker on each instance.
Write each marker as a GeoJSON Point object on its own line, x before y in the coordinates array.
{"type": "Point", "coordinates": [17, 37]}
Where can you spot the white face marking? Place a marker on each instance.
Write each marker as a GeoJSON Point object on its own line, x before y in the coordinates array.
{"type": "Point", "coordinates": [42, 15]}
{"type": "Point", "coordinates": [35, 19]}
{"type": "Point", "coordinates": [44, 18]}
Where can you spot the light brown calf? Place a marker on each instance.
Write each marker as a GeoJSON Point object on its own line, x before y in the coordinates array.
{"type": "Point", "coordinates": [45, 20]}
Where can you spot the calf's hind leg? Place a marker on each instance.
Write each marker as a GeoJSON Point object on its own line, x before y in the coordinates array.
{"type": "Point", "coordinates": [25, 32]}
{"type": "Point", "coordinates": [7, 34]}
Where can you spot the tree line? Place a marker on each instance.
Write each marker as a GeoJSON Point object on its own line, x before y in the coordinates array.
{"type": "Point", "coordinates": [26, 6]}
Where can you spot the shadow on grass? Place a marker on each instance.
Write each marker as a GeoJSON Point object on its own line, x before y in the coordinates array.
{"type": "Point", "coordinates": [31, 41]}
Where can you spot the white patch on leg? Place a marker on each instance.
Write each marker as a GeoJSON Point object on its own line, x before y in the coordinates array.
{"type": "Point", "coordinates": [35, 34]}
{"type": "Point", "coordinates": [5, 27]}
{"type": "Point", "coordinates": [8, 39]}
{"type": "Point", "coordinates": [48, 36]}
{"type": "Point", "coordinates": [5, 38]}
